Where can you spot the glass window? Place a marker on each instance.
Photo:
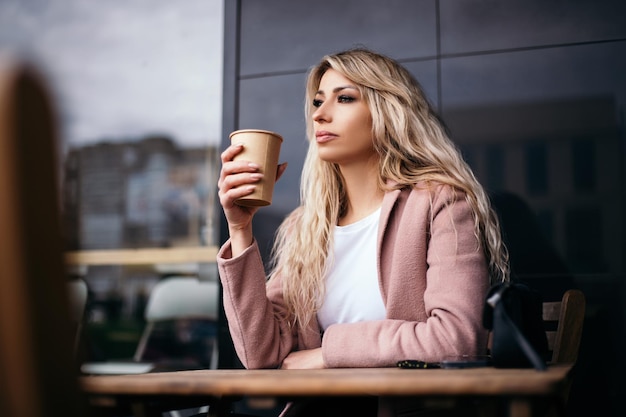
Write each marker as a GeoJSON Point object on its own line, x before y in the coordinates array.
{"type": "Point", "coordinates": [536, 169]}
{"type": "Point", "coordinates": [137, 88]}
{"type": "Point", "coordinates": [584, 237]}
{"type": "Point", "coordinates": [584, 164]}
{"type": "Point", "coordinates": [495, 168]}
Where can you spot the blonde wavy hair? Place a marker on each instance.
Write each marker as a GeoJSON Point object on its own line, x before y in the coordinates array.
{"type": "Point", "coordinates": [413, 147]}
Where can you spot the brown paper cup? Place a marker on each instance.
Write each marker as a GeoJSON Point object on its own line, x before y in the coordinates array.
{"type": "Point", "coordinates": [263, 148]}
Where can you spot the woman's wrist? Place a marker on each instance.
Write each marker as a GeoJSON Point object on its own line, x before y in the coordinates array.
{"type": "Point", "coordinates": [240, 240]}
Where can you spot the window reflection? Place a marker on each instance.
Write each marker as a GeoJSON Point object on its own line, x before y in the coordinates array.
{"type": "Point", "coordinates": [584, 165]}
{"type": "Point", "coordinates": [137, 88]}
{"type": "Point", "coordinates": [495, 159]}
{"type": "Point", "coordinates": [537, 169]}
{"type": "Point", "coordinates": [552, 168]}
{"type": "Point", "coordinates": [585, 241]}
{"type": "Point", "coordinates": [146, 193]}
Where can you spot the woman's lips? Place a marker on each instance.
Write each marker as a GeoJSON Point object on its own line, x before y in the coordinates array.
{"type": "Point", "coordinates": [323, 136]}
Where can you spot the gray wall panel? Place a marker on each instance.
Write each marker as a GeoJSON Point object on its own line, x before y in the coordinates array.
{"type": "Point", "coordinates": [536, 75]}
{"type": "Point", "coordinates": [278, 35]}
{"type": "Point", "coordinates": [426, 74]}
{"type": "Point", "coordinates": [483, 25]}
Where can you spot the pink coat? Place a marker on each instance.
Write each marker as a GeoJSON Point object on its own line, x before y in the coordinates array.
{"type": "Point", "coordinates": [433, 279]}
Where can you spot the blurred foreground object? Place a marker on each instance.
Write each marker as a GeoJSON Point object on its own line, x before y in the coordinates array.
{"type": "Point", "coordinates": [37, 369]}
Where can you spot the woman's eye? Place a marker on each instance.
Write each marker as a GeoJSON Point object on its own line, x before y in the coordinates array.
{"type": "Point", "coordinates": [345, 99]}
{"type": "Point", "coordinates": [317, 103]}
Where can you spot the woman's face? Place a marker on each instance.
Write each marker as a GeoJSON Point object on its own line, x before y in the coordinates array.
{"type": "Point", "coordinates": [342, 121]}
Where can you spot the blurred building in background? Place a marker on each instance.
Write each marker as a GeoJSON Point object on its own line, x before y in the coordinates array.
{"type": "Point", "coordinates": [145, 193]}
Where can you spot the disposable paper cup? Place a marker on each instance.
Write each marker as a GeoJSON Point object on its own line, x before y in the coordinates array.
{"type": "Point", "coordinates": [263, 148]}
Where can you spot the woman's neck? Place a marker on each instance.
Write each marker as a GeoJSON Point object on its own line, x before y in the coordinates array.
{"type": "Point", "coordinates": [363, 192]}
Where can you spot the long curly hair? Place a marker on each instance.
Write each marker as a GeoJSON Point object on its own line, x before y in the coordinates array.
{"type": "Point", "coordinates": [413, 147]}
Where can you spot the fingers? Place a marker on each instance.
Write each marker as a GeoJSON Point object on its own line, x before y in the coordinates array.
{"type": "Point", "coordinates": [237, 178]}
{"type": "Point", "coordinates": [230, 167]}
{"type": "Point", "coordinates": [232, 151]}
{"type": "Point", "coordinates": [234, 186]}
{"type": "Point", "coordinates": [235, 174]}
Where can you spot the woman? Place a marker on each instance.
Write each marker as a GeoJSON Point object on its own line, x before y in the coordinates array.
{"type": "Point", "coordinates": [389, 255]}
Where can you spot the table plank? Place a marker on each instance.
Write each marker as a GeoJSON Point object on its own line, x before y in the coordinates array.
{"type": "Point", "coordinates": [145, 256]}
{"type": "Point", "coordinates": [362, 381]}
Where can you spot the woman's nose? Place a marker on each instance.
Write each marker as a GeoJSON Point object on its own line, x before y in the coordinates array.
{"type": "Point", "coordinates": [321, 114]}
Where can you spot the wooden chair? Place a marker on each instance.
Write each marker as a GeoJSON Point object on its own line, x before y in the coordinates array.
{"type": "Point", "coordinates": [564, 327]}
{"type": "Point", "coordinates": [37, 369]}
{"type": "Point", "coordinates": [563, 321]}
{"type": "Point", "coordinates": [568, 316]}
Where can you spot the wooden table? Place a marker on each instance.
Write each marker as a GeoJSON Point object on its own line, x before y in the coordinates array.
{"type": "Point", "coordinates": [145, 256]}
{"type": "Point", "coordinates": [521, 387]}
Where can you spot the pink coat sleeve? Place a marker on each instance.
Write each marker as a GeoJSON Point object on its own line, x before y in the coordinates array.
{"type": "Point", "coordinates": [256, 313]}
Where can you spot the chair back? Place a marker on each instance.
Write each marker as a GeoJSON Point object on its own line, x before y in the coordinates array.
{"type": "Point", "coordinates": [564, 323]}
{"type": "Point", "coordinates": [184, 297]}
{"type": "Point", "coordinates": [184, 300]}
{"type": "Point", "coordinates": [77, 293]}
{"type": "Point", "coordinates": [37, 368]}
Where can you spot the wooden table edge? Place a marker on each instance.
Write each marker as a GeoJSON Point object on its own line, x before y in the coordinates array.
{"type": "Point", "coordinates": [388, 382]}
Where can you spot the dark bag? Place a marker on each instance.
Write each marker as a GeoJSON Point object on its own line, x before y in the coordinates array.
{"type": "Point", "coordinates": [514, 314]}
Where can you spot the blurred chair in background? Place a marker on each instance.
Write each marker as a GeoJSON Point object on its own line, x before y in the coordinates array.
{"type": "Point", "coordinates": [77, 293]}
{"type": "Point", "coordinates": [37, 368]}
{"type": "Point", "coordinates": [181, 329]}
{"type": "Point", "coordinates": [180, 333]}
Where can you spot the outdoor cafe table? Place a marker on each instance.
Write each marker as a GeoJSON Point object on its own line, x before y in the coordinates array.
{"type": "Point", "coordinates": [218, 388]}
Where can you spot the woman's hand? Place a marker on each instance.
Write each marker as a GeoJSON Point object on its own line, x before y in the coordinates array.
{"type": "Point", "coordinates": [238, 179]}
{"type": "Point", "coordinates": [304, 359]}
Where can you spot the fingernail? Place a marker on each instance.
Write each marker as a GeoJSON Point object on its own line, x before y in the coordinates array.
{"type": "Point", "coordinates": [253, 165]}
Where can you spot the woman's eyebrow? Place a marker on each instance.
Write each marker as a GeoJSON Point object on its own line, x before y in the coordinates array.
{"type": "Point", "coordinates": [337, 89]}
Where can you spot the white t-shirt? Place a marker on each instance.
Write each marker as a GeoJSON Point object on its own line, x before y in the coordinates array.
{"type": "Point", "coordinates": [352, 290]}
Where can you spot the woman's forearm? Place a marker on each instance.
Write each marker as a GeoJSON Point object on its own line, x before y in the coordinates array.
{"type": "Point", "coordinates": [240, 240]}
